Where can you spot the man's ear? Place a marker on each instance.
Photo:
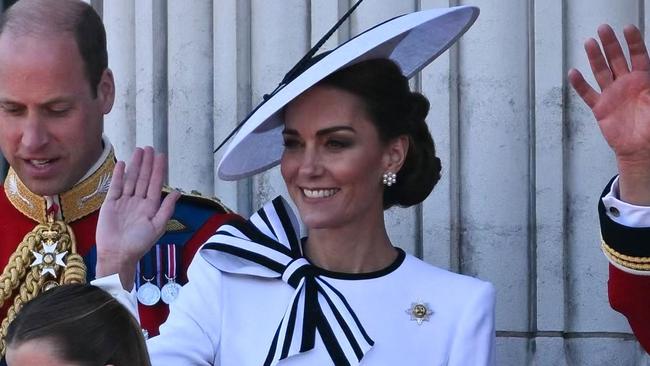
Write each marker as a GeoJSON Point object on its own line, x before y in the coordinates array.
{"type": "Point", "coordinates": [395, 154]}
{"type": "Point", "coordinates": [106, 91]}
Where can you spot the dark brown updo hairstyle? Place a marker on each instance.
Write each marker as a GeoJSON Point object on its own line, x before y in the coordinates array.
{"type": "Point", "coordinates": [395, 111]}
{"type": "Point", "coordinates": [86, 326]}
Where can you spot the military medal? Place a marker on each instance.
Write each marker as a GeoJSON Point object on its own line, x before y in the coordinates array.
{"type": "Point", "coordinates": [169, 292]}
{"type": "Point", "coordinates": [420, 312]}
{"type": "Point", "coordinates": [148, 293]}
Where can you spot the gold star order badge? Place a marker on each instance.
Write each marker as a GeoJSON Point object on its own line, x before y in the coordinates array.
{"type": "Point", "coordinates": [420, 312]}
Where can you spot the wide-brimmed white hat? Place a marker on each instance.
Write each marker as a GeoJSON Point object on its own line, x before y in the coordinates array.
{"type": "Point", "coordinates": [411, 40]}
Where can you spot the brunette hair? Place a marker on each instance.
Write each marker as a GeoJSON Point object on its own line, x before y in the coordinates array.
{"type": "Point", "coordinates": [48, 18]}
{"type": "Point", "coordinates": [85, 324]}
{"type": "Point", "coordinates": [395, 111]}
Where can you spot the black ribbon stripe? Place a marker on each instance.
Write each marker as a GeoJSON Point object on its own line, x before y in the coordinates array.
{"type": "Point", "coordinates": [350, 311]}
{"type": "Point", "coordinates": [251, 235]}
{"type": "Point", "coordinates": [290, 328]}
{"type": "Point", "coordinates": [287, 224]}
{"type": "Point", "coordinates": [269, 357]}
{"type": "Point", "coordinates": [245, 254]}
{"type": "Point", "coordinates": [342, 323]}
{"type": "Point", "coordinates": [316, 304]}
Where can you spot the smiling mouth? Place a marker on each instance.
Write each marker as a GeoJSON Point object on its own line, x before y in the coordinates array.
{"type": "Point", "coordinates": [41, 166]}
{"type": "Point", "coordinates": [40, 162]}
{"type": "Point", "coordinates": [319, 193]}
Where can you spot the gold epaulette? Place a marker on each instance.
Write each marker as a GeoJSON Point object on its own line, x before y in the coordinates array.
{"type": "Point", "coordinates": [197, 197]}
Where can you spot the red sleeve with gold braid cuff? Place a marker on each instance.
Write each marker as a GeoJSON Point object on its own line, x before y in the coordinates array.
{"type": "Point", "coordinates": [628, 251]}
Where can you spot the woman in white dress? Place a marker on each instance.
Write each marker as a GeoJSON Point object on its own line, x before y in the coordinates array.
{"type": "Point", "coordinates": [351, 140]}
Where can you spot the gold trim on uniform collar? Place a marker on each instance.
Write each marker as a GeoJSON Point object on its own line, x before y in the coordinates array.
{"type": "Point", "coordinates": [83, 199]}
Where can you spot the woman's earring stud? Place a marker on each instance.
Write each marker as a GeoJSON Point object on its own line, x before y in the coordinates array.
{"type": "Point", "coordinates": [389, 178]}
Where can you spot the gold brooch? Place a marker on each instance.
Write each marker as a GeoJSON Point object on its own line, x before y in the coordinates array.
{"type": "Point", "coordinates": [420, 312]}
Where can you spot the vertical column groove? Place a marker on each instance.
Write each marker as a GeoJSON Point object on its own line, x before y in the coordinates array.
{"type": "Point", "coordinates": [565, 152]}
{"type": "Point", "coordinates": [641, 20]}
{"type": "Point", "coordinates": [345, 30]}
{"type": "Point", "coordinates": [455, 162]}
{"type": "Point", "coordinates": [532, 186]}
{"type": "Point", "coordinates": [245, 186]}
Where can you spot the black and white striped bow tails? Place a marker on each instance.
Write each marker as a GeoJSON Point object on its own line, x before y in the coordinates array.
{"type": "Point", "coordinates": [270, 239]}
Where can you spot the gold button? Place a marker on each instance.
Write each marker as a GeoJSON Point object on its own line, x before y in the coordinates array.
{"type": "Point", "coordinates": [419, 311]}
{"type": "Point", "coordinates": [614, 211]}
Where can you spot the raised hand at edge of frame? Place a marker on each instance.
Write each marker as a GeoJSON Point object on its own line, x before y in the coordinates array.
{"type": "Point", "coordinates": [132, 216]}
{"type": "Point", "coordinates": [622, 108]}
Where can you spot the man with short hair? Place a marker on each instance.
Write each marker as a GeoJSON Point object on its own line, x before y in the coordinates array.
{"type": "Point", "coordinates": [55, 88]}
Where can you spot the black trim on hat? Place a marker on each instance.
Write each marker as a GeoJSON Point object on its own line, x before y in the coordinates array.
{"type": "Point", "coordinates": [309, 59]}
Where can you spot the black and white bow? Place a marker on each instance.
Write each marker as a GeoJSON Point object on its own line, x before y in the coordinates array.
{"type": "Point", "coordinates": [269, 239]}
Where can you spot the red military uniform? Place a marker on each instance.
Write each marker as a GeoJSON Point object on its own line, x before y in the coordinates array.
{"type": "Point", "coordinates": [628, 250]}
{"type": "Point", "coordinates": [193, 222]}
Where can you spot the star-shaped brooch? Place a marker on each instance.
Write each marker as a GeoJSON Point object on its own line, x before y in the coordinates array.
{"type": "Point", "coordinates": [420, 312]}
{"type": "Point", "coordinates": [49, 259]}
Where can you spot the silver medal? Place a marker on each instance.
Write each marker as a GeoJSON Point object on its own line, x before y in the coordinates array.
{"type": "Point", "coordinates": [149, 294]}
{"type": "Point", "coordinates": [169, 292]}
